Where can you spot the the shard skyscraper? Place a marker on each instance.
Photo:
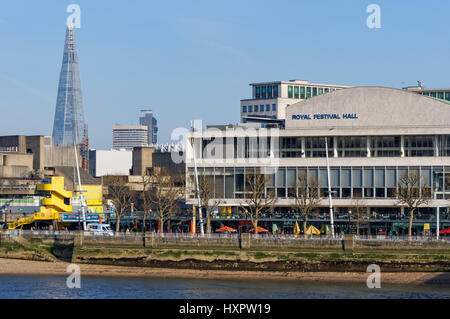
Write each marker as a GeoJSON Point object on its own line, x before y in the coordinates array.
{"type": "Point", "coordinates": [69, 126]}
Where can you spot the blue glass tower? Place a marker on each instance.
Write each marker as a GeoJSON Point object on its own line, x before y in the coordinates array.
{"type": "Point", "coordinates": [69, 127]}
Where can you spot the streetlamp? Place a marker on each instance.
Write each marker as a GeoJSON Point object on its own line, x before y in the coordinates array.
{"type": "Point", "coordinates": [329, 188]}
{"type": "Point", "coordinates": [197, 187]}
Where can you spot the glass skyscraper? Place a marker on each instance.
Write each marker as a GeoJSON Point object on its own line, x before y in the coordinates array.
{"type": "Point", "coordinates": [69, 127]}
{"type": "Point", "coordinates": [150, 121]}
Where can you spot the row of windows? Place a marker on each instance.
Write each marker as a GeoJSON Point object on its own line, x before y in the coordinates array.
{"type": "Point", "coordinates": [346, 146]}
{"type": "Point", "coordinates": [345, 182]}
{"type": "Point", "coordinates": [305, 92]}
{"type": "Point", "coordinates": [438, 94]}
{"type": "Point", "coordinates": [255, 108]}
{"type": "Point", "coordinates": [266, 92]}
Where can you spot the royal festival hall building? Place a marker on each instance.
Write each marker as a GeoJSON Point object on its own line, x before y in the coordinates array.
{"type": "Point", "coordinates": [374, 136]}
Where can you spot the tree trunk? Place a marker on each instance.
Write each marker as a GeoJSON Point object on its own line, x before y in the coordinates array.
{"type": "Point", "coordinates": [117, 223]}
{"type": "Point", "coordinates": [208, 221]}
{"type": "Point", "coordinates": [168, 224]}
{"type": "Point", "coordinates": [255, 226]}
{"type": "Point", "coordinates": [305, 221]}
{"type": "Point", "coordinates": [411, 214]}
{"type": "Point", "coordinates": [357, 226]}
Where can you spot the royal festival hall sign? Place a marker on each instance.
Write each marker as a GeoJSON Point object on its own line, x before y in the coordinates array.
{"type": "Point", "coordinates": [343, 116]}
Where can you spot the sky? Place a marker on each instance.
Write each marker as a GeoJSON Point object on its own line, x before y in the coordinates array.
{"type": "Point", "coordinates": [194, 60]}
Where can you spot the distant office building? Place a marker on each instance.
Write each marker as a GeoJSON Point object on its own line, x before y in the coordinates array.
{"type": "Point", "coordinates": [270, 99]}
{"type": "Point", "coordinates": [150, 121]}
{"type": "Point", "coordinates": [69, 127]}
{"type": "Point", "coordinates": [110, 162]}
{"type": "Point", "coordinates": [129, 136]}
{"type": "Point", "coordinates": [441, 94]}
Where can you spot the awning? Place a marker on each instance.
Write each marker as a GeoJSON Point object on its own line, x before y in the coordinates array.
{"type": "Point", "coordinates": [226, 228]}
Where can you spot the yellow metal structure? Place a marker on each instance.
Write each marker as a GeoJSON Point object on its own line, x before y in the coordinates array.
{"type": "Point", "coordinates": [61, 200]}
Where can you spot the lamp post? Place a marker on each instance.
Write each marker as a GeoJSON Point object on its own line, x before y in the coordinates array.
{"type": "Point", "coordinates": [197, 187]}
{"type": "Point", "coordinates": [329, 188]}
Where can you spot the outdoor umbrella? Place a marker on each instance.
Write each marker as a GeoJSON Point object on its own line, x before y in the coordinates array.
{"type": "Point", "coordinates": [260, 229]}
{"type": "Point", "coordinates": [296, 229]}
{"type": "Point", "coordinates": [445, 231]}
{"type": "Point", "coordinates": [226, 228]}
{"type": "Point", "coordinates": [312, 231]}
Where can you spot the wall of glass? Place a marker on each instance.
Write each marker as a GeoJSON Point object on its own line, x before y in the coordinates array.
{"type": "Point", "coordinates": [346, 182]}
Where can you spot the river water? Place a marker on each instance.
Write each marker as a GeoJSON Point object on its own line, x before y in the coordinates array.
{"type": "Point", "coordinates": [50, 287]}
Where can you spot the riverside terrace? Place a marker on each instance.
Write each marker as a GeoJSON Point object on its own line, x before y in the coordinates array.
{"type": "Point", "coordinates": [393, 133]}
{"type": "Point", "coordinates": [387, 222]}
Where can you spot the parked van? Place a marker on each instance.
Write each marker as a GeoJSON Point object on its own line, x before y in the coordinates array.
{"type": "Point", "coordinates": [99, 229]}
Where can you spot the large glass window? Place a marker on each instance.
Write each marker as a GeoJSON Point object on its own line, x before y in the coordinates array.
{"type": "Point", "coordinates": [269, 92]}
{"type": "Point", "coordinates": [419, 145]}
{"type": "Point", "coordinates": [290, 92]}
{"type": "Point", "coordinates": [291, 180]}
{"type": "Point", "coordinates": [291, 147]}
{"type": "Point", "coordinates": [267, 107]}
{"type": "Point", "coordinates": [352, 146]}
{"type": "Point", "coordinates": [250, 108]}
{"type": "Point", "coordinates": [385, 146]}
{"type": "Point", "coordinates": [346, 182]}
{"type": "Point", "coordinates": [302, 92]}
{"type": "Point", "coordinates": [314, 91]}
{"type": "Point", "coordinates": [263, 92]}
{"type": "Point", "coordinates": [447, 96]}
{"type": "Point", "coordinates": [219, 183]}
{"type": "Point", "coordinates": [441, 95]}
{"type": "Point", "coordinates": [391, 182]}
{"type": "Point", "coordinates": [275, 91]}
{"type": "Point", "coordinates": [257, 92]}
{"type": "Point", "coordinates": [308, 92]}
{"type": "Point", "coordinates": [229, 183]}
{"type": "Point", "coordinates": [444, 145]}
{"type": "Point", "coordinates": [296, 92]}
{"type": "Point", "coordinates": [274, 107]}
{"type": "Point", "coordinates": [281, 183]}
{"type": "Point", "coordinates": [368, 182]}
{"type": "Point", "coordinates": [239, 182]}
{"type": "Point", "coordinates": [315, 147]}
{"type": "Point", "coordinates": [357, 182]}
{"type": "Point", "coordinates": [379, 183]}
{"type": "Point", "coordinates": [244, 108]}
{"type": "Point", "coordinates": [261, 108]}
{"type": "Point", "coordinates": [438, 183]}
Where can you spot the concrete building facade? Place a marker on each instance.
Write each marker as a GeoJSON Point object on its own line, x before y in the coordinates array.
{"type": "Point", "coordinates": [374, 135]}
{"type": "Point", "coordinates": [129, 136]}
{"type": "Point", "coordinates": [270, 99]}
{"type": "Point", "coordinates": [110, 162]}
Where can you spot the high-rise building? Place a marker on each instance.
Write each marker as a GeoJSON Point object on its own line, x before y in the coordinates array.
{"type": "Point", "coordinates": [129, 136]}
{"type": "Point", "coordinates": [150, 121]}
{"type": "Point", "coordinates": [270, 99]}
{"type": "Point", "coordinates": [440, 94]}
{"type": "Point", "coordinates": [69, 126]}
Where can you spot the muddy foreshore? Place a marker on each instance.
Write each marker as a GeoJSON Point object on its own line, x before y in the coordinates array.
{"type": "Point", "coordinates": [269, 266]}
{"type": "Point", "coordinates": [29, 267]}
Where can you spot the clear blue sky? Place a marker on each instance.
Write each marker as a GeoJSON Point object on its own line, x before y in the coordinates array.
{"type": "Point", "coordinates": [194, 59]}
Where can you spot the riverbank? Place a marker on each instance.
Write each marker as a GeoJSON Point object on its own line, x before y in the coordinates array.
{"type": "Point", "coordinates": [27, 267]}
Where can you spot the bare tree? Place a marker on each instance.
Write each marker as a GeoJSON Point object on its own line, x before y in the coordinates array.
{"type": "Point", "coordinates": [165, 193]}
{"type": "Point", "coordinates": [120, 195]}
{"type": "Point", "coordinates": [145, 197]}
{"type": "Point", "coordinates": [358, 211]}
{"type": "Point", "coordinates": [307, 197]}
{"type": "Point", "coordinates": [412, 194]}
{"type": "Point", "coordinates": [206, 192]}
{"type": "Point", "coordinates": [256, 198]}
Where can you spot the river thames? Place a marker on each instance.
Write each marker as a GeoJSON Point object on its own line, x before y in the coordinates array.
{"type": "Point", "coordinates": [54, 287]}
